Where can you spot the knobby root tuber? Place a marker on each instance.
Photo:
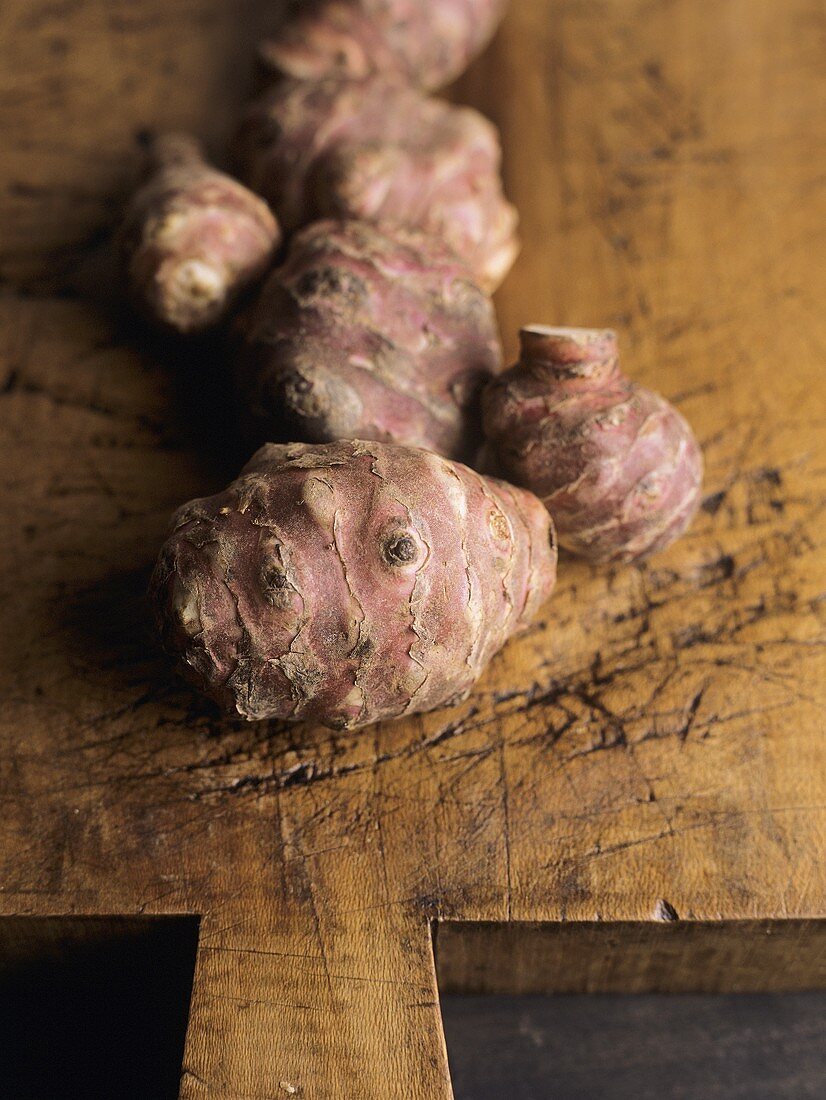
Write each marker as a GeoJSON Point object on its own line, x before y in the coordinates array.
{"type": "Point", "coordinates": [387, 154]}
{"type": "Point", "coordinates": [193, 238]}
{"type": "Point", "coordinates": [425, 43]}
{"type": "Point", "coordinates": [350, 582]}
{"type": "Point", "coordinates": [617, 466]}
{"type": "Point", "coordinates": [363, 334]}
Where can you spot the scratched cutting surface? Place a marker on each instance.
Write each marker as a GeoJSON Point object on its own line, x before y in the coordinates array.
{"type": "Point", "coordinates": [652, 747]}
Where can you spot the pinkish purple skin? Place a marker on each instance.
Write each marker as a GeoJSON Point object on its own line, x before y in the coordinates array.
{"type": "Point", "coordinates": [349, 583]}
{"type": "Point", "coordinates": [368, 335]}
{"type": "Point", "coordinates": [616, 465]}
{"type": "Point", "coordinates": [424, 43]}
{"type": "Point", "coordinates": [193, 238]}
{"type": "Point", "coordinates": [384, 153]}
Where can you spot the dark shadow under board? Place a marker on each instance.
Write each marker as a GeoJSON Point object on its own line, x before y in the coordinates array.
{"type": "Point", "coordinates": [651, 1010]}
{"type": "Point", "coordinates": [766, 1046]}
{"type": "Point", "coordinates": [94, 1007]}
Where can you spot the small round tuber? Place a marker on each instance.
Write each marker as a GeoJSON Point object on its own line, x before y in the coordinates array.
{"type": "Point", "coordinates": [363, 334]}
{"type": "Point", "coordinates": [385, 153]}
{"type": "Point", "coordinates": [350, 582]}
{"type": "Point", "coordinates": [617, 466]}
{"type": "Point", "coordinates": [428, 44]}
{"type": "Point", "coordinates": [193, 238]}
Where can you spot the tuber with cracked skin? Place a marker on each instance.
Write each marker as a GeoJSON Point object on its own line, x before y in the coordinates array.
{"type": "Point", "coordinates": [193, 238]}
{"type": "Point", "coordinates": [364, 334]}
{"type": "Point", "coordinates": [350, 582]}
{"type": "Point", "coordinates": [424, 43]}
{"type": "Point", "coordinates": [385, 153]}
{"type": "Point", "coordinates": [616, 465]}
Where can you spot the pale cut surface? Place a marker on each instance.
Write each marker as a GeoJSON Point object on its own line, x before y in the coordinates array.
{"type": "Point", "coordinates": [193, 238]}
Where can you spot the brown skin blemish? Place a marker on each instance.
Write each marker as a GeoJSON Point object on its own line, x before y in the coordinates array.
{"type": "Point", "coordinates": [499, 526]}
{"type": "Point", "coordinates": [400, 549]}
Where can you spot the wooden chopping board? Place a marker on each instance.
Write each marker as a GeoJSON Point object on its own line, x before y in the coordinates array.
{"type": "Point", "coordinates": [643, 769]}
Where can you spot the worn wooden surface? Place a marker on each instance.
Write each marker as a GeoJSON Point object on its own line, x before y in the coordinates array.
{"type": "Point", "coordinates": [652, 747]}
{"type": "Point", "coordinates": [82, 83]}
{"type": "Point", "coordinates": [663, 954]}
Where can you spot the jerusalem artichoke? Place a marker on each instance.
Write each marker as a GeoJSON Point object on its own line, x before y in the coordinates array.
{"type": "Point", "coordinates": [350, 582]}
{"type": "Point", "coordinates": [427, 44]}
{"type": "Point", "coordinates": [366, 335]}
{"type": "Point", "coordinates": [193, 238]}
{"type": "Point", "coordinates": [385, 153]}
{"type": "Point", "coordinates": [617, 466]}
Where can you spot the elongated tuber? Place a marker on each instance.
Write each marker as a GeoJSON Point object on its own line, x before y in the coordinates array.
{"type": "Point", "coordinates": [193, 238]}
{"type": "Point", "coordinates": [350, 582]}
{"type": "Point", "coordinates": [368, 335]}
{"type": "Point", "coordinates": [617, 466]}
{"type": "Point", "coordinates": [426, 43]}
{"type": "Point", "coordinates": [387, 154]}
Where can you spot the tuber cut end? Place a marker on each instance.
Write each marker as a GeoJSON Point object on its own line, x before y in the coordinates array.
{"type": "Point", "coordinates": [192, 294]}
{"type": "Point", "coordinates": [193, 238]}
{"type": "Point", "coordinates": [569, 352]}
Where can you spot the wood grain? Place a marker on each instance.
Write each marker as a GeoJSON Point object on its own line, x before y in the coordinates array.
{"type": "Point", "coordinates": [82, 84]}
{"type": "Point", "coordinates": [655, 739]}
{"type": "Point", "coordinates": [664, 955]}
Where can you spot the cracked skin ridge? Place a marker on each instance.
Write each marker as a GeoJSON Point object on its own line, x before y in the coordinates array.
{"type": "Point", "coordinates": [350, 582]}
